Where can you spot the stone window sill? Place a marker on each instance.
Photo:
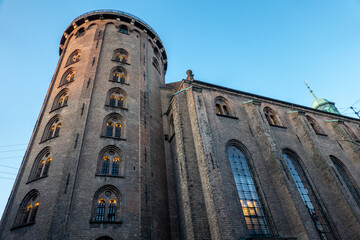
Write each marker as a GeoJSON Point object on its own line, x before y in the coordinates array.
{"type": "Point", "coordinates": [33, 180]}
{"type": "Point", "coordinates": [277, 126]}
{"type": "Point", "coordinates": [107, 105]}
{"type": "Point", "coordinates": [226, 116]}
{"type": "Point", "coordinates": [121, 139]}
{"type": "Point", "coordinates": [22, 225]}
{"type": "Point", "coordinates": [107, 175]}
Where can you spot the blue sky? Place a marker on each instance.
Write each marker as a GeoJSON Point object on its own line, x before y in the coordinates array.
{"type": "Point", "coordinates": [266, 47]}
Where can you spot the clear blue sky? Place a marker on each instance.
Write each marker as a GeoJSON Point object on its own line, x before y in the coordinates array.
{"type": "Point", "coordinates": [258, 46]}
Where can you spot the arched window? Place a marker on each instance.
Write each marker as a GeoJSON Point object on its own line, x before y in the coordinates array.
{"type": "Point", "coordinates": [222, 106]}
{"type": "Point", "coordinates": [68, 77]}
{"type": "Point", "coordinates": [52, 129]}
{"type": "Point", "coordinates": [92, 26]}
{"type": "Point", "coordinates": [156, 64]}
{"type": "Point", "coordinates": [351, 133]}
{"type": "Point", "coordinates": [315, 125]}
{"type": "Point", "coordinates": [272, 117]}
{"type": "Point", "coordinates": [110, 162]}
{"type": "Point", "coordinates": [347, 179]}
{"type": "Point", "coordinates": [28, 208]}
{"type": "Point", "coordinates": [113, 126]}
{"type": "Point", "coordinates": [80, 32]}
{"type": "Point", "coordinates": [61, 99]}
{"type": "Point", "coordinates": [74, 57]}
{"type": "Point", "coordinates": [123, 29]}
{"type": "Point", "coordinates": [250, 202]}
{"type": "Point", "coordinates": [118, 75]}
{"type": "Point", "coordinates": [121, 55]}
{"type": "Point", "coordinates": [41, 165]}
{"type": "Point", "coordinates": [307, 195]}
{"type": "Point", "coordinates": [116, 98]}
{"type": "Point", "coordinates": [156, 52]}
{"type": "Point", "coordinates": [106, 205]}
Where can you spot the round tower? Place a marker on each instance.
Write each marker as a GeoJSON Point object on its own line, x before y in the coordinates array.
{"type": "Point", "coordinates": [95, 165]}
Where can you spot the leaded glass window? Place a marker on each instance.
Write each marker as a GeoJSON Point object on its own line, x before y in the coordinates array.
{"type": "Point", "coordinates": [250, 202]}
{"type": "Point", "coordinates": [100, 210]}
{"type": "Point", "coordinates": [308, 197]}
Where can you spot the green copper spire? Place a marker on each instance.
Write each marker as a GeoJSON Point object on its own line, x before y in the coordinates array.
{"type": "Point", "coordinates": [322, 103]}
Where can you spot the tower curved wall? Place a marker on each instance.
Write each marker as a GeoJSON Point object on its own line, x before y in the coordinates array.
{"type": "Point", "coordinates": [67, 199]}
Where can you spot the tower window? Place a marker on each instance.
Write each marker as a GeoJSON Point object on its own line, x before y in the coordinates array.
{"type": "Point", "coordinates": [74, 57]}
{"type": "Point", "coordinates": [116, 98]}
{"type": "Point", "coordinates": [110, 162]}
{"type": "Point", "coordinates": [118, 75]}
{"type": "Point", "coordinates": [52, 129]}
{"type": "Point", "coordinates": [41, 165]}
{"type": "Point", "coordinates": [68, 77]}
{"type": "Point", "coordinates": [106, 207]}
{"type": "Point", "coordinates": [113, 126]}
{"type": "Point", "coordinates": [120, 55]}
{"type": "Point", "coordinates": [61, 100]}
{"type": "Point", "coordinates": [271, 117]}
{"type": "Point", "coordinates": [123, 29]}
{"type": "Point", "coordinates": [249, 200]}
{"type": "Point", "coordinates": [156, 64]}
{"type": "Point", "coordinates": [28, 209]}
{"type": "Point", "coordinates": [308, 197]}
{"type": "Point", "coordinates": [80, 32]}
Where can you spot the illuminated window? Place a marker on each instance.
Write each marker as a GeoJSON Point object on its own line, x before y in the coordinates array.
{"type": "Point", "coordinates": [112, 100]}
{"type": "Point", "coordinates": [113, 126]}
{"type": "Point", "coordinates": [347, 179]}
{"type": "Point", "coordinates": [123, 29]}
{"type": "Point", "coordinates": [120, 101]}
{"type": "Point", "coordinates": [272, 117]}
{"type": "Point", "coordinates": [250, 202]}
{"type": "Point", "coordinates": [116, 98]}
{"type": "Point", "coordinates": [120, 55]}
{"type": "Point", "coordinates": [28, 209]}
{"type": "Point", "coordinates": [118, 75]}
{"type": "Point", "coordinates": [68, 77]}
{"type": "Point", "coordinates": [308, 197]}
{"type": "Point", "coordinates": [106, 205]}
{"type": "Point", "coordinates": [61, 99]}
{"type": "Point", "coordinates": [100, 210]}
{"type": "Point", "coordinates": [52, 129]}
{"type": "Point", "coordinates": [41, 165]}
{"type": "Point", "coordinates": [315, 126]}
{"type": "Point", "coordinates": [74, 57]}
{"type": "Point", "coordinates": [110, 162]}
{"type": "Point", "coordinates": [222, 106]}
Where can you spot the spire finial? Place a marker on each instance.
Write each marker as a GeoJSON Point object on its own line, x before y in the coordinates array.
{"type": "Point", "coordinates": [190, 75]}
{"type": "Point", "coordinates": [311, 91]}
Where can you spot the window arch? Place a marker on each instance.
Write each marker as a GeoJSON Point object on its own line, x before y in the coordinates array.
{"type": "Point", "coordinates": [315, 126]}
{"type": "Point", "coordinates": [116, 97]}
{"type": "Point", "coordinates": [307, 194]}
{"type": "Point", "coordinates": [28, 209]}
{"type": "Point", "coordinates": [121, 55]}
{"type": "Point", "coordinates": [271, 117]}
{"type": "Point", "coordinates": [123, 29]}
{"type": "Point", "coordinates": [118, 74]}
{"type": "Point", "coordinates": [156, 52]}
{"type": "Point", "coordinates": [52, 129]}
{"type": "Point", "coordinates": [111, 162]}
{"type": "Point", "coordinates": [61, 99]}
{"type": "Point", "coordinates": [155, 62]}
{"type": "Point", "coordinates": [91, 26]}
{"type": "Point", "coordinates": [41, 164]}
{"type": "Point", "coordinates": [68, 77]}
{"type": "Point", "coordinates": [80, 32]}
{"type": "Point", "coordinates": [250, 202]}
{"type": "Point", "coordinates": [113, 126]}
{"type": "Point", "coordinates": [351, 133]}
{"type": "Point", "coordinates": [222, 106]}
{"type": "Point", "coordinates": [74, 57]}
{"type": "Point", "coordinates": [347, 179]}
{"type": "Point", "coordinates": [106, 205]}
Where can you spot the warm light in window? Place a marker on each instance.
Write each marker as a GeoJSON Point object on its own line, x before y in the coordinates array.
{"type": "Point", "coordinates": [112, 201]}
{"type": "Point", "coordinates": [118, 125]}
{"type": "Point", "coordinates": [115, 159]}
{"type": "Point", "coordinates": [109, 124]}
{"type": "Point", "coordinates": [112, 97]}
{"type": "Point", "coordinates": [115, 74]}
{"type": "Point", "coordinates": [28, 207]}
{"type": "Point", "coordinates": [106, 158]}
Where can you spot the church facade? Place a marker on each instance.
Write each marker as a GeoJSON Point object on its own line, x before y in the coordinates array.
{"type": "Point", "coordinates": [117, 153]}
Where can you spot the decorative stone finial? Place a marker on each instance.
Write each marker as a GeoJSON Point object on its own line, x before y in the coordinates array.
{"type": "Point", "coordinates": [190, 75]}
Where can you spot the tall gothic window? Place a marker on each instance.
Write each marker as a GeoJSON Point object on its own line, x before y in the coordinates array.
{"type": "Point", "coordinates": [106, 206]}
{"type": "Point", "coordinates": [308, 197]}
{"type": "Point", "coordinates": [347, 179]}
{"type": "Point", "coordinates": [28, 209]}
{"type": "Point", "coordinates": [110, 162]}
{"type": "Point", "coordinates": [113, 126]}
{"type": "Point", "coordinates": [250, 202]}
